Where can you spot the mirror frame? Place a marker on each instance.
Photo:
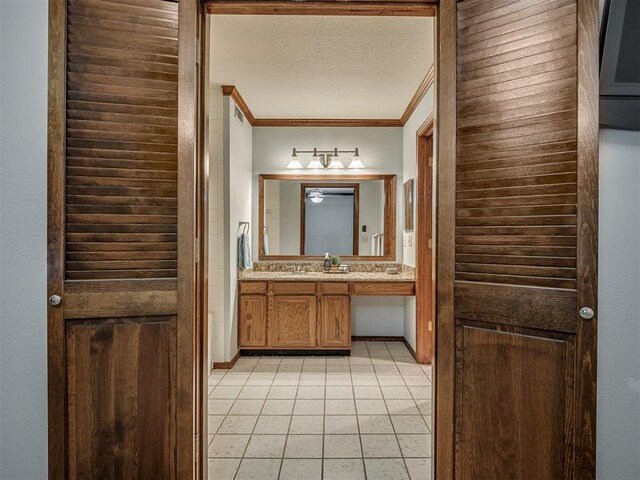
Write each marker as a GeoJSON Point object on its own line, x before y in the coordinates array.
{"type": "Point", "coordinates": [389, 214]}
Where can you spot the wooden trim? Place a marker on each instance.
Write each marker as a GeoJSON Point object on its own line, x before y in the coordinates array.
{"type": "Point", "coordinates": [327, 122]}
{"type": "Point", "coordinates": [427, 82]}
{"type": "Point", "coordinates": [388, 8]}
{"type": "Point", "coordinates": [419, 95]}
{"type": "Point", "coordinates": [188, 14]}
{"type": "Point", "coordinates": [389, 214]}
{"type": "Point", "coordinates": [379, 288]}
{"type": "Point", "coordinates": [356, 211]}
{"type": "Point", "coordinates": [56, 345]}
{"type": "Point", "coordinates": [411, 350]}
{"type": "Point", "coordinates": [443, 444]}
{"type": "Point", "coordinates": [227, 365]}
{"type": "Point", "coordinates": [202, 227]}
{"type": "Point", "coordinates": [587, 257]}
{"type": "Point", "coordinates": [376, 338]}
{"type": "Point", "coordinates": [424, 243]}
{"type": "Point", "coordinates": [232, 91]}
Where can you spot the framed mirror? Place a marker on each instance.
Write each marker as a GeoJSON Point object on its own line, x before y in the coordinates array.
{"type": "Point", "coordinates": [304, 216]}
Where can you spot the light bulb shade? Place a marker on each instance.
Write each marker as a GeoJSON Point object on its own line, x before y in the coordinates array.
{"type": "Point", "coordinates": [356, 163]}
{"type": "Point", "coordinates": [315, 163]}
{"type": "Point", "coordinates": [294, 164]}
{"type": "Point", "coordinates": [335, 163]}
{"type": "Point", "coordinates": [317, 199]}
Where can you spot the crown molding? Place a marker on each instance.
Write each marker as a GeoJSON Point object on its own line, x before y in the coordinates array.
{"type": "Point", "coordinates": [232, 91]}
{"type": "Point", "coordinates": [419, 95]}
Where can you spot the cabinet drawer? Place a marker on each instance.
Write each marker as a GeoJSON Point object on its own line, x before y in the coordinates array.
{"type": "Point", "coordinates": [290, 288]}
{"type": "Point", "coordinates": [335, 288]}
{"type": "Point", "coordinates": [253, 287]}
{"type": "Point", "coordinates": [384, 288]}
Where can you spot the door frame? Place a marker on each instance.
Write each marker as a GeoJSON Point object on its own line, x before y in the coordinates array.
{"type": "Point", "coordinates": [425, 240]}
{"type": "Point", "coordinates": [425, 8]}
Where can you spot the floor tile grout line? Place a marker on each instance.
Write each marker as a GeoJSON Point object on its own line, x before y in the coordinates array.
{"type": "Point", "coordinates": [355, 406]}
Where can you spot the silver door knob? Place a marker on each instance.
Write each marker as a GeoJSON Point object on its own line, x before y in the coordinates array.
{"type": "Point", "coordinates": [586, 313]}
{"type": "Point", "coordinates": [55, 300]}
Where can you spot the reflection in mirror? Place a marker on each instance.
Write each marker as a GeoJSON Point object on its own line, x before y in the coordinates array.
{"type": "Point", "coordinates": [311, 216]}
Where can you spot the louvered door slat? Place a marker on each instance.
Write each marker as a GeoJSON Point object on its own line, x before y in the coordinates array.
{"type": "Point", "coordinates": [122, 101]}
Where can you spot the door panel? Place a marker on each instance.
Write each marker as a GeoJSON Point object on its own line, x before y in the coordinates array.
{"type": "Point", "coordinates": [121, 404]}
{"type": "Point", "coordinates": [525, 421]}
{"type": "Point", "coordinates": [292, 321]}
{"type": "Point", "coordinates": [121, 355]}
{"type": "Point", "coordinates": [335, 321]}
{"type": "Point", "coordinates": [515, 373]}
{"type": "Point", "coordinates": [253, 321]}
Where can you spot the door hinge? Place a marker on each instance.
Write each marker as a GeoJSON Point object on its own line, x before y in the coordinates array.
{"type": "Point", "coordinates": [198, 51]}
{"type": "Point", "coordinates": [430, 326]}
{"type": "Point", "coordinates": [430, 244]}
{"type": "Point", "coordinates": [196, 250]}
{"type": "Point", "coordinates": [430, 161]}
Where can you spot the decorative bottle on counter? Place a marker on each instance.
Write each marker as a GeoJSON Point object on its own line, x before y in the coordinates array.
{"type": "Point", "coordinates": [327, 262]}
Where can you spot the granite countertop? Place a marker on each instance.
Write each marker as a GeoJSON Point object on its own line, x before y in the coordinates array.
{"type": "Point", "coordinates": [283, 276]}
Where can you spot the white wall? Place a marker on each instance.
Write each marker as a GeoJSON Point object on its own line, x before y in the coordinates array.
{"type": "Point", "coordinates": [238, 171]}
{"type": "Point", "coordinates": [410, 170]}
{"type": "Point", "coordinates": [380, 148]}
{"type": "Point", "coordinates": [618, 426]}
{"type": "Point", "coordinates": [229, 202]}
{"type": "Point", "coordinates": [216, 226]}
{"type": "Point", "coordinates": [23, 240]}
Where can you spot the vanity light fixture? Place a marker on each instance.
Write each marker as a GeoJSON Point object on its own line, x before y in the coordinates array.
{"type": "Point", "coordinates": [294, 163]}
{"type": "Point", "coordinates": [356, 162]}
{"type": "Point", "coordinates": [321, 159]}
{"type": "Point", "coordinates": [315, 160]}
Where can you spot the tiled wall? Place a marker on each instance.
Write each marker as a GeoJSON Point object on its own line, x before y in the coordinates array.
{"type": "Point", "coordinates": [216, 227]}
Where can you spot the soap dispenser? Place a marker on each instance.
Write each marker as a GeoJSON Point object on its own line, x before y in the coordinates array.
{"type": "Point", "coordinates": [327, 262]}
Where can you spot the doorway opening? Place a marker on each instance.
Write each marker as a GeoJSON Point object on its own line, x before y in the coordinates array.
{"type": "Point", "coordinates": [283, 396]}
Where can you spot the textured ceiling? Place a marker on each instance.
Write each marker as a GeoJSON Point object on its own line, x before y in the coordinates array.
{"type": "Point", "coordinates": [322, 67]}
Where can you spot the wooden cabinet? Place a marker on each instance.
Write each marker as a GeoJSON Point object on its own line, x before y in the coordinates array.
{"type": "Point", "coordinates": [335, 321]}
{"type": "Point", "coordinates": [292, 323]}
{"type": "Point", "coordinates": [303, 315]}
{"type": "Point", "coordinates": [252, 321]}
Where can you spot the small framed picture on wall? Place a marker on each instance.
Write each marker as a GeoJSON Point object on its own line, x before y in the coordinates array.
{"type": "Point", "coordinates": [408, 204]}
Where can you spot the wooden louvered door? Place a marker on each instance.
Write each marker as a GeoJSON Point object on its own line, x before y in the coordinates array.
{"type": "Point", "coordinates": [516, 364]}
{"type": "Point", "coordinates": [121, 239]}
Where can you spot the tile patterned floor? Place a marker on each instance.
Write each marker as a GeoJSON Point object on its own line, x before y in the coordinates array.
{"type": "Point", "coordinates": [364, 417]}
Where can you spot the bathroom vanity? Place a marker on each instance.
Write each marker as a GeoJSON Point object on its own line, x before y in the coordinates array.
{"type": "Point", "coordinates": [310, 311]}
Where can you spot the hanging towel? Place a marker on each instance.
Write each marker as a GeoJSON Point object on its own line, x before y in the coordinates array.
{"type": "Point", "coordinates": [265, 243]}
{"type": "Point", "coordinates": [246, 251]}
{"type": "Point", "coordinates": [240, 251]}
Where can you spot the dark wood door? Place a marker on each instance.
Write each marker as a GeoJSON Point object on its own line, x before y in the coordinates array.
{"type": "Point", "coordinates": [516, 364]}
{"type": "Point", "coordinates": [121, 239]}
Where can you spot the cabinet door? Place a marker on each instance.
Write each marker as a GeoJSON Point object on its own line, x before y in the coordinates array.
{"type": "Point", "coordinates": [253, 321]}
{"type": "Point", "coordinates": [293, 321]}
{"type": "Point", "coordinates": [335, 321]}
